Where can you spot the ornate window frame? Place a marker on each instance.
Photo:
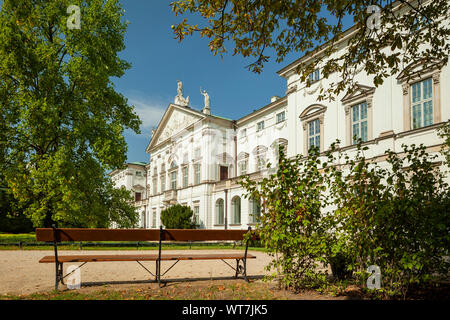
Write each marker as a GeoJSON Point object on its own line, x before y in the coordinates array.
{"type": "Point", "coordinates": [260, 156]}
{"type": "Point", "coordinates": [311, 113]}
{"type": "Point", "coordinates": [416, 72]}
{"type": "Point", "coordinates": [276, 146]}
{"type": "Point", "coordinates": [243, 159]}
{"type": "Point", "coordinates": [359, 94]}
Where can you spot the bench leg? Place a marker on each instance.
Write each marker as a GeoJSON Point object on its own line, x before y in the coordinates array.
{"type": "Point", "coordinates": [241, 269]}
{"type": "Point", "coordinates": [245, 270]}
{"type": "Point", "coordinates": [59, 274]}
{"type": "Point", "coordinates": [158, 272]}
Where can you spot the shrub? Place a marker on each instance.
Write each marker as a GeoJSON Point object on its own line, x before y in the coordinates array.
{"type": "Point", "coordinates": [352, 213]}
{"type": "Point", "coordinates": [178, 217]}
{"type": "Point", "coordinates": [291, 223]}
{"type": "Point", "coordinates": [395, 217]}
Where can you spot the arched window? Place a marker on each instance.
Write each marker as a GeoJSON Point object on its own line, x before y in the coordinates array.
{"type": "Point", "coordinates": [236, 210]}
{"type": "Point", "coordinates": [254, 210]}
{"type": "Point", "coordinates": [219, 211]}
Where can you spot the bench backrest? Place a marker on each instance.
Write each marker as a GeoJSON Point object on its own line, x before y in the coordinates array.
{"type": "Point", "coordinates": [86, 234]}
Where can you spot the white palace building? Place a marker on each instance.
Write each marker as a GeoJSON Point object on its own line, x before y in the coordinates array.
{"type": "Point", "coordinates": [196, 158]}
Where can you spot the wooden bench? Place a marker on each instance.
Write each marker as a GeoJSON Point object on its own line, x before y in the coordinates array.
{"type": "Point", "coordinates": [57, 235]}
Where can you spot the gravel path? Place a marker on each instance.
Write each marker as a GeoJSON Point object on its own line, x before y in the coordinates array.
{"type": "Point", "coordinates": [21, 273]}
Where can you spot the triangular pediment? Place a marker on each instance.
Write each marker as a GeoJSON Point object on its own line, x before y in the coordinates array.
{"type": "Point", "coordinates": [175, 119]}
{"type": "Point", "coordinates": [357, 92]}
{"type": "Point", "coordinates": [138, 188]}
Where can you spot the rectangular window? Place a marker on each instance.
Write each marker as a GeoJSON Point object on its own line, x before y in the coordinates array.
{"type": "Point", "coordinates": [155, 186]}
{"type": "Point", "coordinates": [422, 103]}
{"type": "Point", "coordinates": [314, 134]}
{"type": "Point", "coordinates": [163, 168]}
{"type": "Point", "coordinates": [185, 177]}
{"type": "Point", "coordinates": [155, 171]}
{"type": "Point", "coordinates": [197, 215]}
{"type": "Point", "coordinates": [137, 196]}
{"type": "Point", "coordinates": [173, 180]}
{"type": "Point", "coordinates": [359, 122]}
{"type": "Point", "coordinates": [154, 219]}
{"type": "Point", "coordinates": [280, 117]}
{"type": "Point", "coordinates": [223, 173]}
{"type": "Point", "coordinates": [197, 173]}
{"type": "Point", "coordinates": [243, 167]}
{"type": "Point", "coordinates": [138, 173]}
{"type": "Point", "coordinates": [260, 162]}
{"type": "Point", "coordinates": [260, 126]}
{"type": "Point", "coordinates": [197, 154]}
{"type": "Point", "coordinates": [243, 133]}
{"type": "Point", "coordinates": [255, 211]}
{"type": "Point", "coordinates": [314, 76]}
{"type": "Point", "coordinates": [163, 183]}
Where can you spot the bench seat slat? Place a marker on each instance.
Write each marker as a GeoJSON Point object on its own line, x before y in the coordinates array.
{"type": "Point", "coordinates": [142, 257]}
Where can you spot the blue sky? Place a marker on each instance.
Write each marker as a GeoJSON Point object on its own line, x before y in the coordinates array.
{"type": "Point", "coordinates": [158, 61]}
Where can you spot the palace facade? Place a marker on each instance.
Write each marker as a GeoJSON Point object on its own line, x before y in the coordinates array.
{"type": "Point", "coordinates": [196, 158]}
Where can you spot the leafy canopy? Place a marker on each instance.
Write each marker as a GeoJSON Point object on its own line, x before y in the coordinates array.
{"type": "Point", "coordinates": [409, 31]}
{"type": "Point", "coordinates": [62, 122]}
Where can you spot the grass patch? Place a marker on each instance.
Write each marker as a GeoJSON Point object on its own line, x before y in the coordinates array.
{"type": "Point", "coordinates": [19, 237]}
{"type": "Point", "coordinates": [217, 290]}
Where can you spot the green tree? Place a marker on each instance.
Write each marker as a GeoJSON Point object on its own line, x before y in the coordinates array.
{"type": "Point", "coordinates": [12, 218]}
{"type": "Point", "coordinates": [444, 133]}
{"type": "Point", "coordinates": [291, 226]}
{"type": "Point", "coordinates": [178, 217]}
{"type": "Point", "coordinates": [283, 27]}
{"type": "Point", "coordinates": [62, 122]}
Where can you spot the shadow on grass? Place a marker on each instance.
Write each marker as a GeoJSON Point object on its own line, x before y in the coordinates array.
{"type": "Point", "coordinates": [168, 282]}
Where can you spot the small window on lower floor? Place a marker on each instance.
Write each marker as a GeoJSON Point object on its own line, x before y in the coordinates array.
{"type": "Point", "coordinates": [197, 215]}
{"type": "Point", "coordinates": [219, 211]}
{"type": "Point", "coordinates": [255, 210]}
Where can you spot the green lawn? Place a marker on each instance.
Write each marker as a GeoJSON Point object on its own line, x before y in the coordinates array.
{"type": "Point", "coordinates": [24, 237]}
{"type": "Point", "coordinates": [206, 290]}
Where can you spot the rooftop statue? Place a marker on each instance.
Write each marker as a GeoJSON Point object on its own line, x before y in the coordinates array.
{"type": "Point", "coordinates": [206, 108]}
{"type": "Point", "coordinates": [179, 99]}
